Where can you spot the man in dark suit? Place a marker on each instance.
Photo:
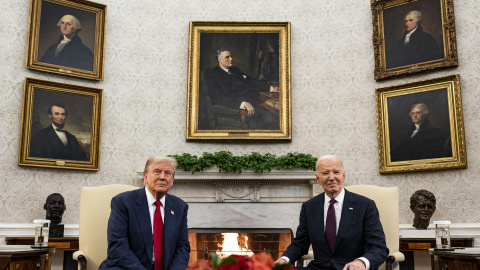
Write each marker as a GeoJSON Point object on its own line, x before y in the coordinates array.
{"type": "Point", "coordinates": [133, 224]}
{"type": "Point", "coordinates": [69, 50]}
{"type": "Point", "coordinates": [415, 46]}
{"type": "Point", "coordinates": [343, 228]}
{"type": "Point", "coordinates": [422, 141]}
{"type": "Point", "coordinates": [54, 141]}
{"type": "Point", "coordinates": [230, 87]}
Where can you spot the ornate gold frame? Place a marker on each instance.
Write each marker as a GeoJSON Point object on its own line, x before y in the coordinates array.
{"type": "Point", "coordinates": [33, 58]}
{"type": "Point", "coordinates": [379, 43]}
{"type": "Point", "coordinates": [197, 28]}
{"type": "Point", "coordinates": [61, 92]}
{"type": "Point", "coordinates": [412, 93]}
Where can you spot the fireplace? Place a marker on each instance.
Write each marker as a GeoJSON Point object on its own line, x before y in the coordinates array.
{"type": "Point", "coordinates": [240, 241]}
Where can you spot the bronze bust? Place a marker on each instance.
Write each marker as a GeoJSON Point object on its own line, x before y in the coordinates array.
{"type": "Point", "coordinates": [423, 205]}
{"type": "Point", "coordinates": [55, 206]}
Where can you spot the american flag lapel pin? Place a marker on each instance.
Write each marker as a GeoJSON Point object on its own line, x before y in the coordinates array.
{"type": "Point", "coordinates": [171, 211]}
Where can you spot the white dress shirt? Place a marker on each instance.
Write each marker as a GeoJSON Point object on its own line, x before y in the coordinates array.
{"type": "Point", "coordinates": [407, 36]}
{"type": "Point", "coordinates": [417, 128]}
{"type": "Point", "coordinates": [61, 135]}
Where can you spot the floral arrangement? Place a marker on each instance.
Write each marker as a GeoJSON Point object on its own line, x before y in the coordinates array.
{"type": "Point", "coordinates": [259, 261]}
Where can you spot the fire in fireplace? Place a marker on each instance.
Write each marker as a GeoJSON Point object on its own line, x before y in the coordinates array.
{"type": "Point", "coordinates": [225, 242]}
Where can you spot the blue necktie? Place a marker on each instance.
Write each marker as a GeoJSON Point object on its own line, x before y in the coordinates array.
{"type": "Point", "coordinates": [331, 226]}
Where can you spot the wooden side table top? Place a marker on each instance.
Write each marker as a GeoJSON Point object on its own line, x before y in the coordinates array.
{"type": "Point", "coordinates": [413, 244]}
{"type": "Point", "coordinates": [60, 243]}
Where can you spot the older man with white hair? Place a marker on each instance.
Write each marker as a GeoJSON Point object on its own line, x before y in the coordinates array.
{"type": "Point", "coordinates": [422, 140]}
{"type": "Point", "coordinates": [343, 228]}
{"type": "Point", "coordinates": [69, 50]}
{"type": "Point", "coordinates": [415, 46]}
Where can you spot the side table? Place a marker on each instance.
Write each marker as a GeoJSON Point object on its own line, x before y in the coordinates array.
{"type": "Point", "coordinates": [421, 245]}
{"type": "Point", "coordinates": [25, 257]}
{"type": "Point", "coordinates": [465, 259]}
{"type": "Point", "coordinates": [66, 245]}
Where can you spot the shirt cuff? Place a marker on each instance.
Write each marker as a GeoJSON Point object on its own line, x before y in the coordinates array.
{"type": "Point", "coordinates": [366, 261]}
{"type": "Point", "coordinates": [285, 258]}
{"type": "Point", "coordinates": [242, 106]}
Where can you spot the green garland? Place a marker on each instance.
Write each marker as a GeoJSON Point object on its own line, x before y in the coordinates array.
{"type": "Point", "coordinates": [227, 162]}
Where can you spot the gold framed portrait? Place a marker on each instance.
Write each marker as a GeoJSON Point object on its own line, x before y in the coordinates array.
{"type": "Point", "coordinates": [67, 37]}
{"type": "Point", "coordinates": [61, 126]}
{"type": "Point", "coordinates": [239, 81]}
{"type": "Point", "coordinates": [413, 36]}
{"type": "Point", "coordinates": [420, 126]}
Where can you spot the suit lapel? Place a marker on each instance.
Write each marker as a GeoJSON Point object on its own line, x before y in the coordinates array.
{"type": "Point", "coordinates": [144, 222]}
{"type": "Point", "coordinates": [168, 229]}
{"type": "Point", "coordinates": [347, 214]}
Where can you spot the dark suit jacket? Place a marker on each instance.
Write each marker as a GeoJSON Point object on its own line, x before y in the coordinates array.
{"type": "Point", "coordinates": [429, 142]}
{"type": "Point", "coordinates": [74, 55]}
{"type": "Point", "coordinates": [231, 90]}
{"type": "Point", "coordinates": [46, 144]}
{"type": "Point", "coordinates": [360, 234]}
{"type": "Point", "coordinates": [422, 47]}
{"type": "Point", "coordinates": [130, 238]}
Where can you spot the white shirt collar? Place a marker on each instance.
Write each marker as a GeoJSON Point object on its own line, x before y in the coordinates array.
{"type": "Point", "coordinates": [339, 198]}
{"type": "Point", "coordinates": [55, 127]}
{"type": "Point", "coordinates": [411, 32]}
{"type": "Point", "coordinates": [226, 69]}
{"type": "Point", "coordinates": [151, 200]}
{"type": "Point", "coordinates": [65, 40]}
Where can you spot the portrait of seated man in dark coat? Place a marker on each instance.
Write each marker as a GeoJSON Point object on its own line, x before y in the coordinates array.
{"type": "Point", "coordinates": [54, 141]}
{"type": "Point", "coordinates": [230, 87]}
{"type": "Point", "coordinates": [415, 46]}
{"type": "Point", "coordinates": [69, 50]}
{"type": "Point", "coordinates": [422, 140]}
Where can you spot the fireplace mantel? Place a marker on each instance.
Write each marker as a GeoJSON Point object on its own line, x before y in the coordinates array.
{"type": "Point", "coordinates": [268, 187]}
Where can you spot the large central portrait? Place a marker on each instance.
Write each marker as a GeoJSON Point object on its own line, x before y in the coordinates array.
{"type": "Point", "coordinates": [239, 81]}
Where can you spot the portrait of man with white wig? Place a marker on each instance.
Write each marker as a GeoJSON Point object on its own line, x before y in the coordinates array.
{"type": "Point", "coordinates": [69, 50]}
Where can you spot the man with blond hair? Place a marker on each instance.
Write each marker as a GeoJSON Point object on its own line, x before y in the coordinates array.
{"type": "Point", "coordinates": [69, 50]}
{"type": "Point", "coordinates": [342, 227]}
{"type": "Point", "coordinates": [147, 228]}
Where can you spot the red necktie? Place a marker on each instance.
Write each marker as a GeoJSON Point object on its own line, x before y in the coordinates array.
{"type": "Point", "coordinates": [331, 226]}
{"type": "Point", "coordinates": [158, 236]}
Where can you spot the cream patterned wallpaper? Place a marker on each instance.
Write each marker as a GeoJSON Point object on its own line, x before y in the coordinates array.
{"type": "Point", "coordinates": [333, 96]}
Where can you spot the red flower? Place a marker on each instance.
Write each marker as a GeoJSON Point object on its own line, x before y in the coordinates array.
{"type": "Point", "coordinates": [263, 258]}
{"type": "Point", "coordinates": [229, 267]}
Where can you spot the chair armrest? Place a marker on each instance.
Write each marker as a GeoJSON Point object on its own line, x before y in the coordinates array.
{"type": "Point", "coordinates": [397, 256]}
{"type": "Point", "coordinates": [81, 257]}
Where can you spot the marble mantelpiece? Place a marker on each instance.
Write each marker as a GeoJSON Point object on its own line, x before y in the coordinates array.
{"type": "Point", "coordinates": [268, 187]}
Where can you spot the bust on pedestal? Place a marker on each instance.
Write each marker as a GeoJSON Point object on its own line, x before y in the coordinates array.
{"type": "Point", "coordinates": [55, 206]}
{"type": "Point", "coordinates": [422, 203]}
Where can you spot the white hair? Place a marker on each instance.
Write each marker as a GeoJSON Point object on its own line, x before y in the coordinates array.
{"type": "Point", "coordinates": [76, 23]}
{"type": "Point", "coordinates": [417, 15]}
{"type": "Point", "coordinates": [422, 106]}
{"type": "Point", "coordinates": [324, 157]}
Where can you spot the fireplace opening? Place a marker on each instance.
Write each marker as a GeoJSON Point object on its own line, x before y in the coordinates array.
{"type": "Point", "coordinates": [225, 242]}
